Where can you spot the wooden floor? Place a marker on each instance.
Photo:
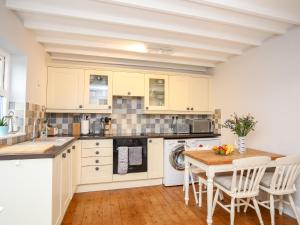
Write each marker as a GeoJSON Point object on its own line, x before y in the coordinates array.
{"type": "Point", "coordinates": [157, 205]}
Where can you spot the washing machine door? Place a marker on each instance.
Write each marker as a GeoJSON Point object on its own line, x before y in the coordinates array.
{"type": "Point", "coordinates": [176, 157]}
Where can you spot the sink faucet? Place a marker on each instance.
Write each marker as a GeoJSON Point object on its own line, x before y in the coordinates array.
{"type": "Point", "coordinates": [34, 136]}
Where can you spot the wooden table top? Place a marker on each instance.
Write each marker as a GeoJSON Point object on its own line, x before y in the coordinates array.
{"type": "Point", "coordinates": [209, 157]}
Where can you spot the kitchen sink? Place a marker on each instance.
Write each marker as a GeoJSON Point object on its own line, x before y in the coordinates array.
{"type": "Point", "coordinates": [55, 141]}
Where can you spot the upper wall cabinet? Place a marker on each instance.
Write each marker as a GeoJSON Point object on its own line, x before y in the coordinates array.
{"type": "Point", "coordinates": [189, 94]}
{"type": "Point", "coordinates": [64, 89]}
{"type": "Point", "coordinates": [156, 92]}
{"type": "Point", "coordinates": [128, 84]}
{"type": "Point", "coordinates": [97, 90]}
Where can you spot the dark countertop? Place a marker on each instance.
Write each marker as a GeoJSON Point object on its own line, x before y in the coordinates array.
{"type": "Point", "coordinates": [56, 150]}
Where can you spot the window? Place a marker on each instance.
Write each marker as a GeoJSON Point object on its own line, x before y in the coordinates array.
{"type": "Point", "coordinates": [4, 65]}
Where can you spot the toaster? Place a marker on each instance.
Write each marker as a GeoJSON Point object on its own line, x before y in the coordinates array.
{"type": "Point", "coordinates": [201, 126]}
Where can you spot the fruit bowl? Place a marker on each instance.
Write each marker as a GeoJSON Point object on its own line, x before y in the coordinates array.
{"type": "Point", "coordinates": [224, 149]}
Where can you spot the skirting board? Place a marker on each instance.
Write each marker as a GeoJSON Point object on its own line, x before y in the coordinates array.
{"type": "Point", "coordinates": [118, 185]}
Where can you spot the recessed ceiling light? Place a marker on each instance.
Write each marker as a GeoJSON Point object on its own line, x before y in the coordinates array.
{"type": "Point", "coordinates": [139, 47]}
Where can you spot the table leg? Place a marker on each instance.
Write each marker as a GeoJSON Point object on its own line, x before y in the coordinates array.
{"type": "Point", "coordinates": [186, 182]}
{"type": "Point", "coordinates": [210, 186]}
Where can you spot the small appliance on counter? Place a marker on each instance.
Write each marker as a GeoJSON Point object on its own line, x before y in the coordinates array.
{"type": "Point", "coordinates": [52, 131]}
{"type": "Point", "coordinates": [107, 126]}
{"type": "Point", "coordinates": [85, 125]}
{"type": "Point", "coordinates": [198, 126]}
{"type": "Point", "coordinates": [179, 128]}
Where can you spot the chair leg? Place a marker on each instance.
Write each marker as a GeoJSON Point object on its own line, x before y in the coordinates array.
{"type": "Point", "coordinates": [272, 209]}
{"type": "Point", "coordinates": [280, 204]}
{"type": "Point", "coordinates": [246, 206]}
{"type": "Point", "coordinates": [232, 211]}
{"type": "Point", "coordinates": [215, 200]}
{"type": "Point", "coordinates": [194, 188]}
{"type": "Point", "coordinates": [257, 211]}
{"type": "Point", "coordinates": [221, 195]}
{"type": "Point", "coordinates": [294, 208]}
{"type": "Point", "coordinates": [200, 193]}
{"type": "Point", "coordinates": [238, 204]}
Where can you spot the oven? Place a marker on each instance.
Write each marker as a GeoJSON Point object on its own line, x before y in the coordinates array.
{"type": "Point", "coordinates": [130, 143]}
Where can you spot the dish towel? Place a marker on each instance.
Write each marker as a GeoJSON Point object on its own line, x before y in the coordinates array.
{"type": "Point", "coordinates": [122, 159]}
{"type": "Point", "coordinates": [135, 156]}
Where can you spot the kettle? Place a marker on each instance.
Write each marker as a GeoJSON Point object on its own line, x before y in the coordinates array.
{"type": "Point", "coordinates": [12, 122]}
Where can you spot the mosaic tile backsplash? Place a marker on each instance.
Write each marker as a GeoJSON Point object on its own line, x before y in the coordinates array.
{"type": "Point", "coordinates": [128, 117]}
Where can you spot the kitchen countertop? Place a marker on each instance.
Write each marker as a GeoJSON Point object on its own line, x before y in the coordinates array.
{"type": "Point", "coordinates": [56, 150]}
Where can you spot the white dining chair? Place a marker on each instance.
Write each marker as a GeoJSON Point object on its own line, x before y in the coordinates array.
{"type": "Point", "coordinates": [243, 184]}
{"type": "Point", "coordinates": [281, 183]}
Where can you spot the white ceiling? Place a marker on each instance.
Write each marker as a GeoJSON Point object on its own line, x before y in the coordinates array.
{"type": "Point", "coordinates": [187, 34]}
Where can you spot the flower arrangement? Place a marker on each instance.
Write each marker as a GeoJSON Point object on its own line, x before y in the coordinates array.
{"type": "Point", "coordinates": [241, 126]}
{"type": "Point", "coordinates": [3, 122]}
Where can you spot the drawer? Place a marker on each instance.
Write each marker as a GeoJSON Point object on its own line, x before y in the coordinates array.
{"type": "Point", "coordinates": [92, 152]}
{"type": "Point", "coordinates": [96, 174]}
{"type": "Point", "coordinates": [107, 143]}
{"type": "Point", "coordinates": [94, 161]}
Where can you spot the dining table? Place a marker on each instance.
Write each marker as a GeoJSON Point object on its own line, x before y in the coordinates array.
{"type": "Point", "coordinates": [212, 164]}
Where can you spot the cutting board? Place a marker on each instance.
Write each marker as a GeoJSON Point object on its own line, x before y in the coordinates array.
{"type": "Point", "coordinates": [25, 149]}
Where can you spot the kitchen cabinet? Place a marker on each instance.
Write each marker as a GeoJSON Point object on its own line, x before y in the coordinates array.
{"type": "Point", "coordinates": [96, 161]}
{"type": "Point", "coordinates": [155, 157]}
{"type": "Point", "coordinates": [156, 92]}
{"type": "Point", "coordinates": [64, 89]}
{"type": "Point", "coordinates": [76, 164]}
{"type": "Point", "coordinates": [98, 90]}
{"type": "Point", "coordinates": [128, 84]}
{"type": "Point", "coordinates": [189, 94]}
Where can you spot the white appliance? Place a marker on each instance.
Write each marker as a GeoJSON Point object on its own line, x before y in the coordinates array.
{"type": "Point", "coordinates": [174, 158]}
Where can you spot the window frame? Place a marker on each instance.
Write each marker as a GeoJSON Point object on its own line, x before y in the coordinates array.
{"type": "Point", "coordinates": [4, 89]}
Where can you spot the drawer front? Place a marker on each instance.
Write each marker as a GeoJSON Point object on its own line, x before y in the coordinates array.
{"type": "Point", "coordinates": [96, 174]}
{"type": "Point", "coordinates": [95, 161]}
{"type": "Point", "coordinates": [107, 143]}
{"type": "Point", "coordinates": [96, 152]}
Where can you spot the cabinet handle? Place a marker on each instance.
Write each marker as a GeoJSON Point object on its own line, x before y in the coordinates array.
{"type": "Point", "coordinates": [97, 168]}
{"type": "Point", "coordinates": [73, 147]}
{"type": "Point", "coordinates": [69, 151]}
{"type": "Point", "coordinates": [187, 108]}
{"type": "Point", "coordinates": [80, 106]}
{"type": "Point", "coordinates": [97, 143]}
{"type": "Point", "coordinates": [96, 161]}
{"type": "Point", "coordinates": [109, 107]}
{"type": "Point", "coordinates": [192, 108]}
{"type": "Point", "coordinates": [64, 155]}
{"type": "Point", "coordinates": [129, 93]}
{"type": "Point", "coordinates": [150, 141]}
{"type": "Point", "coordinates": [97, 152]}
{"type": "Point", "coordinates": [147, 107]}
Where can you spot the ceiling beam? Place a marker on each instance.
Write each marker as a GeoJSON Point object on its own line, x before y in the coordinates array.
{"type": "Point", "coordinates": [98, 45]}
{"type": "Point", "coordinates": [253, 9]}
{"type": "Point", "coordinates": [213, 14]}
{"type": "Point", "coordinates": [123, 36]}
{"type": "Point", "coordinates": [27, 6]}
{"type": "Point", "coordinates": [163, 58]}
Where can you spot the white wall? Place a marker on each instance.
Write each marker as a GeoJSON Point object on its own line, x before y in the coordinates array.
{"type": "Point", "coordinates": [265, 82]}
{"type": "Point", "coordinates": [15, 39]}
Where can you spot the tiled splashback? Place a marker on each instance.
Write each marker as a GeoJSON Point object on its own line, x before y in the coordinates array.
{"type": "Point", "coordinates": [32, 112]}
{"type": "Point", "coordinates": [128, 117]}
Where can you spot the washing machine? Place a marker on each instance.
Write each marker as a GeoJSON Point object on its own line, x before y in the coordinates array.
{"type": "Point", "coordinates": [174, 158]}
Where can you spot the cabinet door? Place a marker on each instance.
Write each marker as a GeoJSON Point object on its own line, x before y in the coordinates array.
{"type": "Point", "coordinates": [155, 157]}
{"type": "Point", "coordinates": [156, 92]}
{"type": "Point", "coordinates": [199, 94]}
{"type": "Point", "coordinates": [56, 190]}
{"type": "Point", "coordinates": [64, 88]}
{"type": "Point", "coordinates": [128, 84]}
{"type": "Point", "coordinates": [97, 89]}
{"type": "Point", "coordinates": [76, 165]}
{"type": "Point", "coordinates": [66, 180]}
{"type": "Point", "coordinates": [178, 93]}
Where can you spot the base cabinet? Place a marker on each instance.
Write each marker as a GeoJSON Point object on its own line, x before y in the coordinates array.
{"type": "Point", "coordinates": [155, 158]}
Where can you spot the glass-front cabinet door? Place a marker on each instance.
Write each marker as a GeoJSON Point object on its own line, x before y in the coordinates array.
{"type": "Point", "coordinates": [156, 92]}
{"type": "Point", "coordinates": [98, 89]}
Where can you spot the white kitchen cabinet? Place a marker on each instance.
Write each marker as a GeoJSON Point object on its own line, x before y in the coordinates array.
{"type": "Point", "coordinates": [156, 92]}
{"type": "Point", "coordinates": [64, 89]}
{"type": "Point", "coordinates": [128, 84]}
{"type": "Point", "coordinates": [155, 157]}
{"type": "Point", "coordinates": [97, 90]}
{"type": "Point", "coordinates": [56, 190]}
{"type": "Point", "coordinates": [198, 94]}
{"type": "Point", "coordinates": [76, 164]}
{"type": "Point", "coordinates": [178, 93]}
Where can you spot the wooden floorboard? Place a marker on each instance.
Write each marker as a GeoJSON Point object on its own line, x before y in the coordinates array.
{"type": "Point", "coordinates": [156, 205]}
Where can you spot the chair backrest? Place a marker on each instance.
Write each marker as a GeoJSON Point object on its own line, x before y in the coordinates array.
{"type": "Point", "coordinates": [247, 175]}
{"type": "Point", "coordinates": [285, 174]}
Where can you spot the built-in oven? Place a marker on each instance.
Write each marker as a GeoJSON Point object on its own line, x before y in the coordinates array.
{"type": "Point", "coordinates": [129, 155]}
